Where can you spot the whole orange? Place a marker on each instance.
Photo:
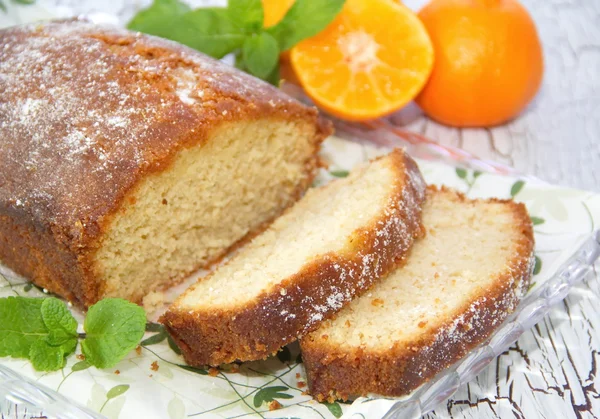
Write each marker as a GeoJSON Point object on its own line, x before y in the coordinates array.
{"type": "Point", "coordinates": [488, 61]}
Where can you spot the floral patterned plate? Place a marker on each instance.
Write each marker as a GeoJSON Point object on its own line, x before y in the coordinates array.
{"type": "Point", "coordinates": [154, 382]}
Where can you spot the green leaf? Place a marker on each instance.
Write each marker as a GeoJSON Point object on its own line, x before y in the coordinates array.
{"type": "Point", "coordinates": [274, 78]}
{"type": "Point", "coordinates": [159, 18]}
{"type": "Point", "coordinates": [261, 54]}
{"type": "Point", "coordinates": [284, 355]}
{"type": "Point", "coordinates": [335, 409]}
{"type": "Point", "coordinates": [116, 391]}
{"type": "Point", "coordinates": [461, 173]}
{"type": "Point", "coordinates": [113, 328]}
{"type": "Point", "coordinates": [80, 366]}
{"type": "Point", "coordinates": [536, 221]}
{"type": "Point", "coordinates": [173, 345]}
{"type": "Point", "coordinates": [339, 173]}
{"type": "Point", "coordinates": [3, 6]}
{"type": "Point", "coordinates": [28, 287]}
{"type": "Point", "coordinates": [57, 317]}
{"type": "Point", "coordinates": [193, 369]}
{"type": "Point", "coordinates": [304, 19]}
{"type": "Point", "coordinates": [538, 265]}
{"type": "Point", "coordinates": [516, 187]}
{"type": "Point", "coordinates": [153, 340]}
{"type": "Point", "coordinates": [21, 325]}
{"type": "Point", "coordinates": [248, 15]}
{"type": "Point", "coordinates": [25, 2]}
{"type": "Point", "coordinates": [208, 30]}
{"type": "Point", "coordinates": [45, 357]}
{"type": "Point", "coordinates": [268, 394]}
{"type": "Point", "coordinates": [476, 174]}
{"type": "Point", "coordinates": [67, 342]}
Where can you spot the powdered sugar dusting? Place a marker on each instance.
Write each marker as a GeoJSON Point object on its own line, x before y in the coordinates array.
{"type": "Point", "coordinates": [85, 109]}
{"type": "Point", "coordinates": [392, 236]}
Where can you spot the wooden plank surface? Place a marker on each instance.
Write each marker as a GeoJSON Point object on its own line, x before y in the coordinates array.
{"type": "Point", "coordinates": [552, 371]}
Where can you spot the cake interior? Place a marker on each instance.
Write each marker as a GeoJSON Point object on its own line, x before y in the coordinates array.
{"type": "Point", "coordinates": [466, 247]}
{"type": "Point", "coordinates": [211, 196]}
{"type": "Point", "coordinates": [322, 222]}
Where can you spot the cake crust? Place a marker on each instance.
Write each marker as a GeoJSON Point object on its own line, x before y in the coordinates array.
{"type": "Point", "coordinates": [86, 113]}
{"type": "Point", "coordinates": [246, 333]}
{"type": "Point", "coordinates": [336, 373]}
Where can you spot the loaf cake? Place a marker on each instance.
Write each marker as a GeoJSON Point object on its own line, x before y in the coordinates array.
{"type": "Point", "coordinates": [127, 161]}
{"type": "Point", "coordinates": [458, 284]}
{"type": "Point", "coordinates": [329, 247]}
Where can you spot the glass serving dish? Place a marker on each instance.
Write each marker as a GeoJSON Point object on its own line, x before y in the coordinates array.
{"type": "Point", "coordinates": [567, 248]}
{"type": "Point", "coordinates": [22, 393]}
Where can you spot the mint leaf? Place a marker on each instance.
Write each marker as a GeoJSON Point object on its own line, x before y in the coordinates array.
{"type": "Point", "coordinates": [304, 19]}
{"type": "Point", "coordinates": [274, 78]}
{"type": "Point", "coordinates": [261, 54]}
{"type": "Point", "coordinates": [113, 328]}
{"type": "Point", "coordinates": [246, 14]}
{"type": "Point", "coordinates": [56, 316]}
{"type": "Point", "coordinates": [45, 357]}
{"type": "Point", "coordinates": [62, 326]}
{"type": "Point", "coordinates": [21, 325]}
{"type": "Point", "coordinates": [209, 30]}
{"type": "Point", "coordinates": [159, 18]}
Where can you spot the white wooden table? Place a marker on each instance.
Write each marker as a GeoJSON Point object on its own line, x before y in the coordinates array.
{"type": "Point", "coordinates": [552, 371]}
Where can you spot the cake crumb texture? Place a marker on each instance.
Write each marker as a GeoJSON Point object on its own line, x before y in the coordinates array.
{"type": "Point", "coordinates": [458, 284]}
{"type": "Point", "coordinates": [329, 247]}
{"type": "Point", "coordinates": [128, 161]}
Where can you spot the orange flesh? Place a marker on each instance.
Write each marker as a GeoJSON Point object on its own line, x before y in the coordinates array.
{"type": "Point", "coordinates": [370, 61]}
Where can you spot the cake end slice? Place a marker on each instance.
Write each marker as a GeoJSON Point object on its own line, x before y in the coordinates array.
{"type": "Point", "coordinates": [459, 283]}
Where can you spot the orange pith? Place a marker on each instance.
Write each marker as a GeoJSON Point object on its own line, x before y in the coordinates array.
{"type": "Point", "coordinates": [370, 61]}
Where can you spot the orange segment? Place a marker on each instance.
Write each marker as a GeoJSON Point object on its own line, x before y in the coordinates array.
{"type": "Point", "coordinates": [370, 61]}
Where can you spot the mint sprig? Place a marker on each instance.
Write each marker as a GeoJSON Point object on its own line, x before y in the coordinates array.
{"type": "Point", "coordinates": [238, 29]}
{"type": "Point", "coordinates": [44, 331]}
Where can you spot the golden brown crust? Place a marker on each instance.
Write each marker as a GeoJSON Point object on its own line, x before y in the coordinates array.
{"type": "Point", "coordinates": [303, 300]}
{"type": "Point", "coordinates": [110, 103]}
{"type": "Point", "coordinates": [341, 373]}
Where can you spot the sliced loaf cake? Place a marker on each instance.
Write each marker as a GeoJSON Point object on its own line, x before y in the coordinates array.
{"type": "Point", "coordinates": [128, 162]}
{"type": "Point", "coordinates": [459, 283]}
{"type": "Point", "coordinates": [331, 246]}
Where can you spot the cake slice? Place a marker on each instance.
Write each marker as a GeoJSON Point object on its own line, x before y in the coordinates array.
{"type": "Point", "coordinates": [329, 247]}
{"type": "Point", "coordinates": [458, 284]}
{"type": "Point", "coordinates": [127, 162]}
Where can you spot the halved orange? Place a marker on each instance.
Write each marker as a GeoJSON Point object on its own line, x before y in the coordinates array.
{"type": "Point", "coordinates": [370, 61]}
{"type": "Point", "coordinates": [275, 10]}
